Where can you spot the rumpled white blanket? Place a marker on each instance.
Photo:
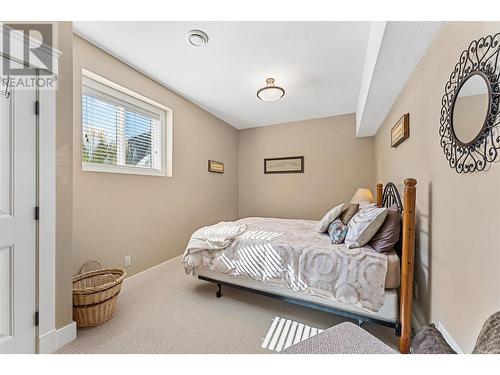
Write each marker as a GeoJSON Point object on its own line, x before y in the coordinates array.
{"type": "Point", "coordinates": [213, 237]}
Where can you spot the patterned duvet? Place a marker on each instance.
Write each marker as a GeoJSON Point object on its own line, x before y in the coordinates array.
{"type": "Point", "coordinates": [292, 254]}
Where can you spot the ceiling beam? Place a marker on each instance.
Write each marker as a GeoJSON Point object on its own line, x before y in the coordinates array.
{"type": "Point", "coordinates": [375, 38]}
{"type": "Point", "coordinates": [393, 52]}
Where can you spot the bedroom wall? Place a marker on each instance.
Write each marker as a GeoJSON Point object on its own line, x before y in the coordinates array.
{"type": "Point", "coordinates": [64, 175]}
{"type": "Point", "coordinates": [458, 217]}
{"type": "Point", "coordinates": [336, 164]}
{"type": "Point", "coordinates": [150, 218]}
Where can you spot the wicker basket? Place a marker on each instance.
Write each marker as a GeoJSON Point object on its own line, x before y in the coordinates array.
{"type": "Point", "coordinates": [95, 294]}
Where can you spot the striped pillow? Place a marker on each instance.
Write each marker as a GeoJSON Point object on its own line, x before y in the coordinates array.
{"type": "Point", "coordinates": [363, 226]}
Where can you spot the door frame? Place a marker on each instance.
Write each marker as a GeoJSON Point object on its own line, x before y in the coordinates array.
{"type": "Point", "coordinates": [45, 300]}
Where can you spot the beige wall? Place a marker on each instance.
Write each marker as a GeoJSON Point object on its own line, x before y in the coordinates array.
{"type": "Point", "coordinates": [150, 218]}
{"type": "Point", "coordinates": [336, 164]}
{"type": "Point", "coordinates": [458, 217]}
{"type": "Point", "coordinates": [64, 175]}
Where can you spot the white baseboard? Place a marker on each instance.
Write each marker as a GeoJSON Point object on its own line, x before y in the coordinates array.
{"type": "Point", "coordinates": [47, 342]}
{"type": "Point", "coordinates": [65, 335]}
{"type": "Point", "coordinates": [417, 322]}
{"type": "Point", "coordinates": [449, 339]}
{"type": "Point", "coordinates": [57, 338]}
{"type": "Point", "coordinates": [151, 268]}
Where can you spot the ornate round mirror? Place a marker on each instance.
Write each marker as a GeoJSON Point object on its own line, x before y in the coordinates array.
{"type": "Point", "coordinates": [470, 113]}
{"type": "Point", "coordinates": [471, 109]}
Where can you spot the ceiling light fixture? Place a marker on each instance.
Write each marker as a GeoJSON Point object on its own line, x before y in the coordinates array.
{"type": "Point", "coordinates": [270, 93]}
{"type": "Point", "coordinates": [197, 38]}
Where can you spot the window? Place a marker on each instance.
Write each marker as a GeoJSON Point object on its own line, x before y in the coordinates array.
{"type": "Point", "coordinates": [122, 131]}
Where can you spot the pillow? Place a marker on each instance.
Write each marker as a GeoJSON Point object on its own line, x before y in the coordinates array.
{"type": "Point", "coordinates": [364, 225]}
{"type": "Point", "coordinates": [429, 340]}
{"type": "Point", "coordinates": [366, 203]}
{"type": "Point", "coordinates": [388, 235]}
{"type": "Point", "coordinates": [348, 212]}
{"type": "Point", "coordinates": [337, 231]}
{"type": "Point", "coordinates": [331, 215]}
{"type": "Point", "coordinates": [488, 341]}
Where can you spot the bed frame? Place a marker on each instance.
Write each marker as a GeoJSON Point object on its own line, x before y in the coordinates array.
{"type": "Point", "coordinates": [386, 197]}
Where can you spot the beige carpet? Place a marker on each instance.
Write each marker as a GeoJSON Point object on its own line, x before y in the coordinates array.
{"type": "Point", "coordinates": [165, 311]}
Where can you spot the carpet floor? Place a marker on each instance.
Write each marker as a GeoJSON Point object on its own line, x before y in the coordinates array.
{"type": "Point", "coordinates": [164, 310]}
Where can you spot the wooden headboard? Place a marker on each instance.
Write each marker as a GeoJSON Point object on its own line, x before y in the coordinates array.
{"type": "Point", "coordinates": [386, 198]}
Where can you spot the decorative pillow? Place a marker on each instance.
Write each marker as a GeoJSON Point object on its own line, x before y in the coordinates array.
{"type": "Point", "coordinates": [331, 215]}
{"type": "Point", "coordinates": [364, 225]}
{"type": "Point", "coordinates": [366, 203]}
{"type": "Point", "coordinates": [429, 340]}
{"type": "Point", "coordinates": [488, 341]}
{"type": "Point", "coordinates": [388, 235]}
{"type": "Point", "coordinates": [337, 231]}
{"type": "Point", "coordinates": [348, 212]}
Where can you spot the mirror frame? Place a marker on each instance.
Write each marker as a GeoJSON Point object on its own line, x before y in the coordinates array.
{"type": "Point", "coordinates": [480, 58]}
{"type": "Point", "coordinates": [488, 112]}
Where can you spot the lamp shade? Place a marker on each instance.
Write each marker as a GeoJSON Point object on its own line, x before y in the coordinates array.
{"type": "Point", "coordinates": [270, 93]}
{"type": "Point", "coordinates": [362, 195]}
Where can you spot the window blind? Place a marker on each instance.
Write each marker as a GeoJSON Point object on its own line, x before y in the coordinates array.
{"type": "Point", "coordinates": [115, 132]}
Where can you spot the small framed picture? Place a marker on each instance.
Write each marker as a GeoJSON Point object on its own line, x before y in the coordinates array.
{"type": "Point", "coordinates": [401, 131]}
{"type": "Point", "coordinates": [215, 166]}
{"type": "Point", "coordinates": [292, 164]}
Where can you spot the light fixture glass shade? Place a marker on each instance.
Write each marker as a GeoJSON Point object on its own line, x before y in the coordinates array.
{"type": "Point", "coordinates": [270, 93]}
{"type": "Point", "coordinates": [362, 195]}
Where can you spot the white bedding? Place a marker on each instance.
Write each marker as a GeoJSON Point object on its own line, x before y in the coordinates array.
{"type": "Point", "coordinates": [290, 253]}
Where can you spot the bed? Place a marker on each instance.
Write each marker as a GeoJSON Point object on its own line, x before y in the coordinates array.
{"type": "Point", "coordinates": [288, 260]}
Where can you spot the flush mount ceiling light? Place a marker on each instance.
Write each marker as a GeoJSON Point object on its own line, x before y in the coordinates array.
{"type": "Point", "coordinates": [270, 93]}
{"type": "Point", "coordinates": [197, 38]}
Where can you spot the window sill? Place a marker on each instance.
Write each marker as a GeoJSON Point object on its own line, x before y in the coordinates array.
{"type": "Point", "coordinates": [103, 168]}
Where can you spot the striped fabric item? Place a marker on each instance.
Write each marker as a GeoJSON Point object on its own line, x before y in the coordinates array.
{"type": "Point", "coordinates": [285, 332]}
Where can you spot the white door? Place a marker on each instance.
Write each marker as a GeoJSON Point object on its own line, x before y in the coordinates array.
{"type": "Point", "coordinates": [17, 220]}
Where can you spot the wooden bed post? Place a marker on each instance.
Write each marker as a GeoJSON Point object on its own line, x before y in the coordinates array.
{"type": "Point", "coordinates": [379, 195]}
{"type": "Point", "coordinates": [407, 264]}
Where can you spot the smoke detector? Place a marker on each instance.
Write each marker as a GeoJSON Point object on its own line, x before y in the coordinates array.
{"type": "Point", "coordinates": [197, 38]}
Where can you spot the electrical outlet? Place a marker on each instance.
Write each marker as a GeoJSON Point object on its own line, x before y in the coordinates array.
{"type": "Point", "coordinates": [128, 260]}
{"type": "Point", "coordinates": [415, 290]}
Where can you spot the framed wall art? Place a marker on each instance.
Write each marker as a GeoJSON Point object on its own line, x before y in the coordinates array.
{"type": "Point", "coordinates": [401, 131]}
{"type": "Point", "coordinates": [291, 164]}
{"type": "Point", "coordinates": [215, 166]}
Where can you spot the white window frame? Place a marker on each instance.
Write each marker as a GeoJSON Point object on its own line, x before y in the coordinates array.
{"type": "Point", "coordinates": [111, 89]}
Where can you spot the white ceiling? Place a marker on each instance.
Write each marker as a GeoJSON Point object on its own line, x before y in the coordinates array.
{"type": "Point", "coordinates": [319, 64]}
{"type": "Point", "coordinates": [326, 68]}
